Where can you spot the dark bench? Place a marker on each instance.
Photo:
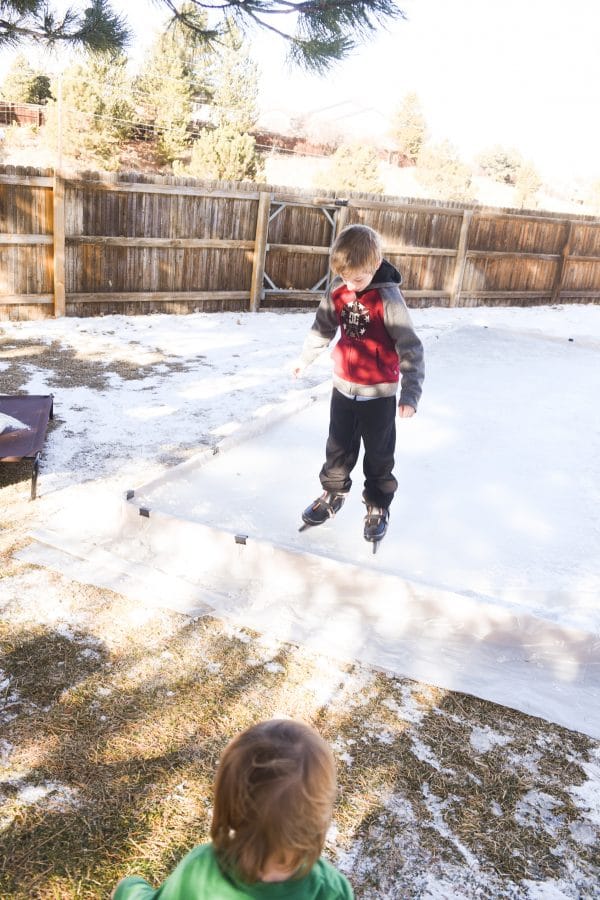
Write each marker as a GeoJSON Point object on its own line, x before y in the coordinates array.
{"type": "Point", "coordinates": [35, 411]}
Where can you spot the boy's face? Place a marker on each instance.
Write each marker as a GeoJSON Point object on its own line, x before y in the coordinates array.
{"type": "Point", "coordinates": [357, 279]}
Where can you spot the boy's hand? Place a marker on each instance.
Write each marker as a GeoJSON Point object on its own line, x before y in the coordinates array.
{"type": "Point", "coordinates": [405, 411]}
{"type": "Point", "coordinates": [297, 368]}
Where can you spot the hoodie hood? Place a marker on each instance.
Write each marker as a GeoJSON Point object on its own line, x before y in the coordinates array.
{"type": "Point", "coordinates": [385, 274]}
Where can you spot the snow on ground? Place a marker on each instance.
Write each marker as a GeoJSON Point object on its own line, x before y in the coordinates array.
{"type": "Point", "coordinates": [222, 369]}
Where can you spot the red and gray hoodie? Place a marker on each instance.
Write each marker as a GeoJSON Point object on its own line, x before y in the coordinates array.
{"type": "Point", "coordinates": [377, 345]}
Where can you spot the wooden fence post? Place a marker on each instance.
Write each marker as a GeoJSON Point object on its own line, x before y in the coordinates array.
{"type": "Point", "coordinates": [341, 217]}
{"type": "Point", "coordinates": [260, 251]}
{"type": "Point", "coordinates": [560, 269]}
{"type": "Point", "coordinates": [461, 257]}
{"type": "Point", "coordinates": [58, 229]}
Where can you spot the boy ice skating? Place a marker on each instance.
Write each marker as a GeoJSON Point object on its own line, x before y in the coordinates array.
{"type": "Point", "coordinates": [377, 348]}
{"type": "Point", "coordinates": [273, 802]}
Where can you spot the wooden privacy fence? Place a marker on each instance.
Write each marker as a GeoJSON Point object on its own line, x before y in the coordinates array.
{"type": "Point", "coordinates": [93, 244]}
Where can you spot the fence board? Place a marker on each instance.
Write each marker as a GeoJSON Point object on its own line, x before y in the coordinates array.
{"type": "Point", "coordinates": [58, 221]}
{"type": "Point", "coordinates": [461, 257]}
{"type": "Point", "coordinates": [581, 276]}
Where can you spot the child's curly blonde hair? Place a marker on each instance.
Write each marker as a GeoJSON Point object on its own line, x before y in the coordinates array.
{"type": "Point", "coordinates": [274, 794]}
{"type": "Point", "coordinates": [357, 248]}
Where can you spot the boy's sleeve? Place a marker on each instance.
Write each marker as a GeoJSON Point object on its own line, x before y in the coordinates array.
{"type": "Point", "coordinates": [409, 349]}
{"type": "Point", "coordinates": [322, 331]}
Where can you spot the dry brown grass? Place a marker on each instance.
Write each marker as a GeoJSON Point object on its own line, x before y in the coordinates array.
{"type": "Point", "coordinates": [133, 726]}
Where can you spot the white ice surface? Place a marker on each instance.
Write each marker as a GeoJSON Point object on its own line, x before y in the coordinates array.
{"type": "Point", "coordinates": [507, 508]}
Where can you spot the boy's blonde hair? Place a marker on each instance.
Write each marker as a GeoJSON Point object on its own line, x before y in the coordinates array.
{"type": "Point", "coordinates": [357, 248]}
{"type": "Point", "coordinates": [274, 795]}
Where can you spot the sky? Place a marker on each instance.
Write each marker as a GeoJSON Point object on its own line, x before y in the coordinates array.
{"type": "Point", "coordinates": [523, 74]}
{"type": "Point", "coordinates": [519, 74]}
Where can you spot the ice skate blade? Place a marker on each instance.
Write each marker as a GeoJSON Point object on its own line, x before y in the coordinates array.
{"type": "Point", "coordinates": [374, 543]}
{"type": "Point", "coordinates": [305, 526]}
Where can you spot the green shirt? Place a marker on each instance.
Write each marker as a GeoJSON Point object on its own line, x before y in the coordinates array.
{"type": "Point", "coordinates": [198, 877]}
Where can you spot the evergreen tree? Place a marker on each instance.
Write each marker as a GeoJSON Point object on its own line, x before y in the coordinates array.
{"type": "Point", "coordinates": [353, 167]}
{"type": "Point", "coordinates": [234, 77]}
{"type": "Point", "coordinates": [164, 96]}
{"type": "Point", "coordinates": [190, 48]}
{"type": "Point", "coordinates": [95, 28]}
{"type": "Point", "coordinates": [24, 85]}
{"type": "Point", "coordinates": [508, 166]}
{"type": "Point", "coordinates": [318, 33]}
{"type": "Point", "coordinates": [19, 84]}
{"type": "Point", "coordinates": [500, 163]}
{"type": "Point", "coordinates": [97, 113]}
{"type": "Point", "coordinates": [228, 151]}
{"type": "Point", "coordinates": [39, 90]}
{"type": "Point", "coordinates": [175, 74]}
{"type": "Point", "coordinates": [223, 153]}
{"type": "Point", "coordinates": [527, 185]}
{"type": "Point", "coordinates": [409, 127]}
{"type": "Point", "coordinates": [442, 173]}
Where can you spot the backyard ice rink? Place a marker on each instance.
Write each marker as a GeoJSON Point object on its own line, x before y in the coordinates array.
{"type": "Point", "coordinates": [488, 581]}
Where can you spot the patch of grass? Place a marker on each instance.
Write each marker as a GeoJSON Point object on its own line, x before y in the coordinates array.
{"type": "Point", "coordinates": [134, 733]}
{"type": "Point", "coordinates": [67, 367]}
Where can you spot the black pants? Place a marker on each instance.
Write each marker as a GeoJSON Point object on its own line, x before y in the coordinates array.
{"type": "Point", "coordinates": [373, 421]}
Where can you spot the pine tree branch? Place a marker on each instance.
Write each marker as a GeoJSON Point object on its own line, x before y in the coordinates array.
{"type": "Point", "coordinates": [325, 31]}
{"type": "Point", "coordinates": [96, 28]}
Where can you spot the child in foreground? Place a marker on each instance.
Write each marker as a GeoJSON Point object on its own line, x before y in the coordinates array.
{"type": "Point", "coordinates": [273, 802]}
{"type": "Point", "coordinates": [377, 348]}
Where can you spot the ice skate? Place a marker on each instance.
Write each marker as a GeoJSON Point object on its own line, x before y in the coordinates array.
{"type": "Point", "coordinates": [322, 509]}
{"type": "Point", "coordinates": [376, 525]}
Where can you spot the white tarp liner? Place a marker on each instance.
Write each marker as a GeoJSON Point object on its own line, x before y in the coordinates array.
{"type": "Point", "coordinates": [489, 579]}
